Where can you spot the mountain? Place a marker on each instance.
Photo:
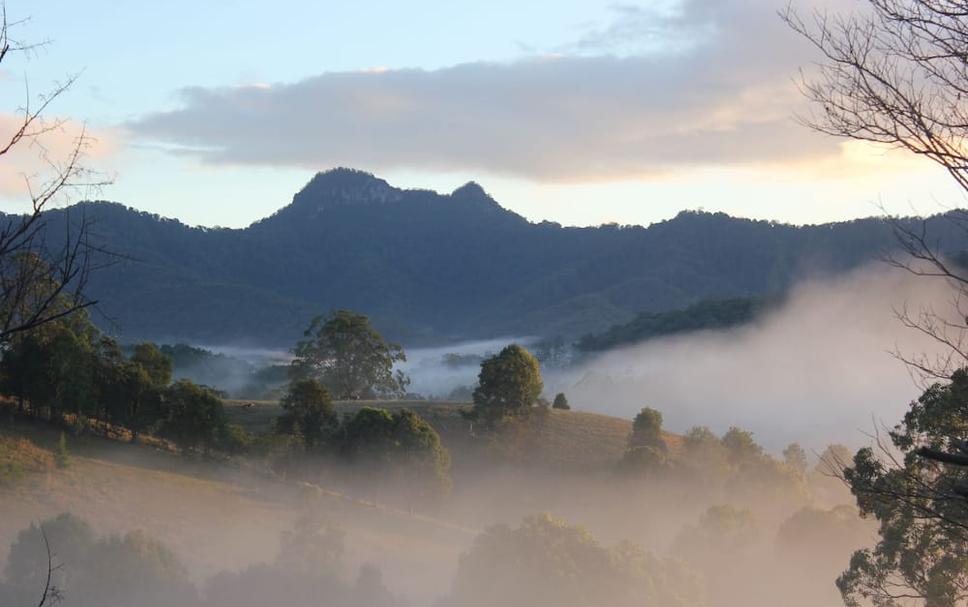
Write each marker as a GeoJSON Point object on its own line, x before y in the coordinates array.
{"type": "Point", "coordinates": [430, 267]}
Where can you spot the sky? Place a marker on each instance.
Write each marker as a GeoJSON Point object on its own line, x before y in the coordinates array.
{"type": "Point", "coordinates": [580, 112]}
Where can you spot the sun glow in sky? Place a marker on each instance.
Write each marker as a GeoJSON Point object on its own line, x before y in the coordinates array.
{"type": "Point", "coordinates": [579, 112]}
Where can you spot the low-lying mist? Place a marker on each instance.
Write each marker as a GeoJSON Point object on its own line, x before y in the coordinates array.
{"type": "Point", "coordinates": [710, 528]}
{"type": "Point", "coordinates": [438, 372]}
{"type": "Point", "coordinates": [818, 369]}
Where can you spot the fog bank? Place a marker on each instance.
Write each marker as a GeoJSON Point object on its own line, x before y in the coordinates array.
{"type": "Point", "coordinates": [818, 369]}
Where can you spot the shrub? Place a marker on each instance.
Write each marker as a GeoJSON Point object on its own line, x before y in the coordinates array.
{"type": "Point", "coordinates": [62, 457]}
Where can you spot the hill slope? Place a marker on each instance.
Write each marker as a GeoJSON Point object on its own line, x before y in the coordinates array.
{"type": "Point", "coordinates": [433, 267]}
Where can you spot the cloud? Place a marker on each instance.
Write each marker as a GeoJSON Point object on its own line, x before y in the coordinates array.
{"type": "Point", "coordinates": [723, 96]}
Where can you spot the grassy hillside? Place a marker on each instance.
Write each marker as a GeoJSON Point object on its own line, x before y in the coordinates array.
{"type": "Point", "coordinates": [214, 516]}
{"type": "Point", "coordinates": [565, 439]}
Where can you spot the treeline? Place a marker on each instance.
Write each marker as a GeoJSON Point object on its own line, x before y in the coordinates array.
{"type": "Point", "coordinates": [67, 370]}
{"type": "Point", "coordinates": [235, 376]}
{"type": "Point", "coordinates": [69, 373]}
{"type": "Point", "coordinates": [733, 462]}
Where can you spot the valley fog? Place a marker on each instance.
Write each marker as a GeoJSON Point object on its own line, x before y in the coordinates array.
{"type": "Point", "coordinates": [819, 369]}
{"type": "Point", "coordinates": [712, 522]}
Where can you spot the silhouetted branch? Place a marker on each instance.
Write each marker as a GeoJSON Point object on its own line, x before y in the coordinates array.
{"type": "Point", "coordinates": [40, 280]}
{"type": "Point", "coordinates": [51, 594]}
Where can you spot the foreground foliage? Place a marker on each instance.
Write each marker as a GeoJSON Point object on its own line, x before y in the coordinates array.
{"type": "Point", "coordinates": [919, 506]}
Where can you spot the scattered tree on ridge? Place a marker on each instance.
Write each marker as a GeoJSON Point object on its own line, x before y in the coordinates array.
{"type": "Point", "coordinates": [646, 449]}
{"type": "Point", "coordinates": [508, 385]}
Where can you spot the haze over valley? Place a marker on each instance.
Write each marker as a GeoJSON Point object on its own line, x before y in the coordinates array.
{"type": "Point", "coordinates": [521, 304]}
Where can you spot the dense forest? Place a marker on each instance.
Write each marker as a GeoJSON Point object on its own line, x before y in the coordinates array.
{"type": "Point", "coordinates": [430, 268]}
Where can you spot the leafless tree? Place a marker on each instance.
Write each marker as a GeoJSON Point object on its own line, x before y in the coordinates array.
{"type": "Point", "coordinates": [43, 276]}
{"type": "Point", "coordinates": [896, 73]}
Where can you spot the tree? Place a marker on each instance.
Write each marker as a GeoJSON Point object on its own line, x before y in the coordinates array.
{"type": "Point", "coordinates": [646, 450]}
{"type": "Point", "coordinates": [722, 530]}
{"type": "Point", "coordinates": [133, 569]}
{"type": "Point", "coordinates": [51, 368]}
{"type": "Point", "coordinates": [43, 280]}
{"type": "Point", "coordinates": [401, 444]}
{"type": "Point", "coordinates": [508, 385]}
{"type": "Point", "coordinates": [795, 458]}
{"type": "Point", "coordinates": [740, 446]}
{"type": "Point", "coordinates": [155, 363]}
{"type": "Point", "coordinates": [62, 456]}
{"type": "Point", "coordinates": [308, 407]}
{"type": "Point", "coordinates": [192, 415]}
{"type": "Point", "coordinates": [897, 75]}
{"type": "Point", "coordinates": [129, 396]}
{"type": "Point", "coordinates": [919, 503]}
{"type": "Point", "coordinates": [346, 354]}
{"type": "Point", "coordinates": [834, 458]}
{"type": "Point", "coordinates": [561, 402]}
{"type": "Point", "coordinates": [546, 561]}
{"type": "Point", "coordinates": [647, 430]}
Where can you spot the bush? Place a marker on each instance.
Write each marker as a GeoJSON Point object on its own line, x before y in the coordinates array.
{"type": "Point", "coordinates": [62, 457]}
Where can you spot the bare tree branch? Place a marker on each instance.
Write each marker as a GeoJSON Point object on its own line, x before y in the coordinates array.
{"type": "Point", "coordinates": [44, 279]}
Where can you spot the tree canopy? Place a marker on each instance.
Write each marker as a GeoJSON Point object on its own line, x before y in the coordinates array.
{"type": "Point", "coordinates": [508, 385]}
{"type": "Point", "coordinates": [308, 408]}
{"type": "Point", "coordinates": [646, 449]}
{"type": "Point", "coordinates": [347, 355]}
{"type": "Point", "coordinates": [919, 504]}
{"type": "Point", "coordinates": [401, 444]}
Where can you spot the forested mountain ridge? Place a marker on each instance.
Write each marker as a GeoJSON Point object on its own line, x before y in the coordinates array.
{"type": "Point", "coordinates": [432, 267]}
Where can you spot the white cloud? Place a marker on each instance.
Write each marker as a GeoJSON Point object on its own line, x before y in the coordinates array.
{"type": "Point", "coordinates": [725, 97]}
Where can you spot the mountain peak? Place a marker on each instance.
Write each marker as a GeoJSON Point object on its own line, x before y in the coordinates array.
{"type": "Point", "coordinates": [344, 186]}
{"type": "Point", "coordinates": [471, 189]}
{"type": "Point", "coordinates": [343, 177]}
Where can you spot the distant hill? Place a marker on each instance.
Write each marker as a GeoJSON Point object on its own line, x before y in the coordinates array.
{"type": "Point", "coordinates": [704, 315]}
{"type": "Point", "coordinates": [432, 267]}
